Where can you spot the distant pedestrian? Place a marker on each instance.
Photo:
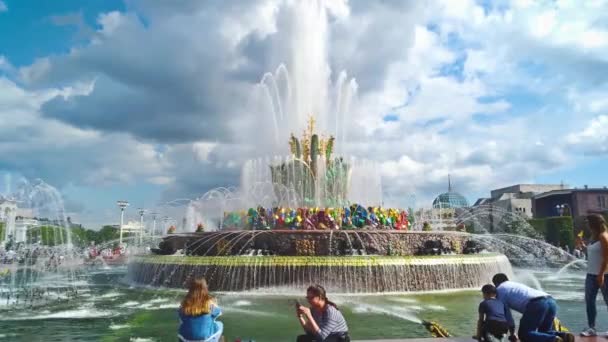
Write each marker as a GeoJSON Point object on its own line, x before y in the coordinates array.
{"type": "Point", "coordinates": [597, 262]}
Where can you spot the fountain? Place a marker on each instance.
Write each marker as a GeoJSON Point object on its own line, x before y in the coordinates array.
{"type": "Point", "coordinates": [39, 264]}
{"type": "Point", "coordinates": [347, 247]}
{"type": "Point", "coordinates": [314, 215]}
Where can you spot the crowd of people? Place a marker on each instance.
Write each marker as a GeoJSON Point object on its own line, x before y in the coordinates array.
{"type": "Point", "coordinates": [51, 257]}
{"type": "Point", "coordinates": [352, 217]}
{"type": "Point", "coordinates": [322, 321]}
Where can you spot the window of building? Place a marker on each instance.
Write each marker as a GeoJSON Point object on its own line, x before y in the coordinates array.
{"type": "Point", "coordinates": [601, 201]}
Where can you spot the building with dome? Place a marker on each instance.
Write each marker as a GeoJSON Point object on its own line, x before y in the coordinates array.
{"type": "Point", "coordinates": [445, 208]}
{"type": "Point", "coordinates": [450, 200]}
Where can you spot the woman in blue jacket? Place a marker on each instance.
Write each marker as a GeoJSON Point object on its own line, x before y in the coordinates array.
{"type": "Point", "coordinates": [197, 314]}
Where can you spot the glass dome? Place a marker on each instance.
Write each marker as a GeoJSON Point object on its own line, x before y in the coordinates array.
{"type": "Point", "coordinates": [450, 199]}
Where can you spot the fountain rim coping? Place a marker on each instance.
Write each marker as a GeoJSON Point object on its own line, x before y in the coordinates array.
{"type": "Point", "coordinates": [360, 260]}
{"type": "Point", "coordinates": [319, 231]}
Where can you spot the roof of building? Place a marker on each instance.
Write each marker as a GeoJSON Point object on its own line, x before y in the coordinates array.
{"type": "Point", "coordinates": [450, 199]}
{"type": "Point", "coordinates": [526, 188]}
{"type": "Point", "coordinates": [570, 191]}
{"type": "Point", "coordinates": [482, 201]}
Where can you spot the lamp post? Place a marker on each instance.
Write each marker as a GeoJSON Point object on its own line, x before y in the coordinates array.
{"type": "Point", "coordinates": [560, 209]}
{"type": "Point", "coordinates": [122, 205]}
{"type": "Point", "coordinates": [153, 223]}
{"type": "Point", "coordinates": [166, 220]}
{"type": "Point", "coordinates": [141, 211]}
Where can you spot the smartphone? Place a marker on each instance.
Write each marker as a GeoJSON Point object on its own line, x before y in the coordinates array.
{"type": "Point", "coordinates": [296, 303]}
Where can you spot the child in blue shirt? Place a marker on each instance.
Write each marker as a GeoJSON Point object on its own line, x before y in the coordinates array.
{"type": "Point", "coordinates": [492, 324]}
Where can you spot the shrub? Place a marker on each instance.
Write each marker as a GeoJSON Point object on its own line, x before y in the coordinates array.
{"type": "Point", "coordinates": [560, 230]}
{"type": "Point", "coordinates": [539, 225]}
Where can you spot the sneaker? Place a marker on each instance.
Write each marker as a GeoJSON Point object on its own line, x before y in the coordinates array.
{"type": "Point", "coordinates": [569, 337]}
{"type": "Point", "coordinates": [589, 332]}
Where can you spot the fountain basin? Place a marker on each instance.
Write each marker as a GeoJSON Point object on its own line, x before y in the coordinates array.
{"type": "Point", "coordinates": [345, 274]}
{"type": "Point", "coordinates": [315, 242]}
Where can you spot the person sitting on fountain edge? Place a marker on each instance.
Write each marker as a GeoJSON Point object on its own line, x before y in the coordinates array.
{"type": "Point", "coordinates": [323, 322]}
{"type": "Point", "coordinates": [538, 311]}
{"type": "Point", "coordinates": [197, 314]}
{"type": "Point", "coordinates": [492, 323]}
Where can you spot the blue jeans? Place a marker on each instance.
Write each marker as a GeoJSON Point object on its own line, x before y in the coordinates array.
{"type": "Point", "coordinates": [591, 290]}
{"type": "Point", "coordinates": [536, 324]}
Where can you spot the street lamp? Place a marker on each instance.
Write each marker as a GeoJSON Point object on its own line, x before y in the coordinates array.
{"type": "Point", "coordinates": [166, 219]}
{"type": "Point", "coordinates": [141, 211]}
{"type": "Point", "coordinates": [560, 209]}
{"type": "Point", "coordinates": [153, 223]}
{"type": "Point", "coordinates": [122, 205]}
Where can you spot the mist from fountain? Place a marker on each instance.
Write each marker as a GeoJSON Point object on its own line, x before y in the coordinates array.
{"type": "Point", "coordinates": [300, 95]}
{"type": "Point", "coordinates": [34, 273]}
{"type": "Point", "coordinates": [502, 231]}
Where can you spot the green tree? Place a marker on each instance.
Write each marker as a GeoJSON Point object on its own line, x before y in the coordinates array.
{"type": "Point", "coordinates": [107, 233]}
{"type": "Point", "coordinates": [560, 231]}
{"type": "Point", "coordinates": [539, 225]}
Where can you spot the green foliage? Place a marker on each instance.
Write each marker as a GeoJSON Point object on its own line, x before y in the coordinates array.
{"type": "Point", "coordinates": [55, 235]}
{"type": "Point", "coordinates": [314, 152]}
{"type": "Point", "coordinates": [522, 228]}
{"type": "Point", "coordinates": [539, 225]}
{"type": "Point", "coordinates": [426, 227]}
{"type": "Point", "coordinates": [329, 149]}
{"type": "Point", "coordinates": [50, 235]}
{"type": "Point", "coordinates": [107, 233]}
{"type": "Point", "coordinates": [469, 227]}
{"type": "Point", "coordinates": [47, 235]}
{"type": "Point", "coordinates": [296, 149]}
{"type": "Point", "coordinates": [561, 230]}
{"type": "Point", "coordinates": [558, 230]}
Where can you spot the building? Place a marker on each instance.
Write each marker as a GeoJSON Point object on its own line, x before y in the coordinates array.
{"type": "Point", "coordinates": [446, 207]}
{"type": "Point", "coordinates": [22, 225]}
{"type": "Point", "coordinates": [506, 207]}
{"type": "Point", "coordinates": [8, 213]}
{"type": "Point", "coordinates": [571, 202]}
{"type": "Point", "coordinates": [8, 209]}
{"type": "Point", "coordinates": [516, 198]}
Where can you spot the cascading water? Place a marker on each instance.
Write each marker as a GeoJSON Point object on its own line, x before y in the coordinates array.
{"type": "Point", "coordinates": [302, 97]}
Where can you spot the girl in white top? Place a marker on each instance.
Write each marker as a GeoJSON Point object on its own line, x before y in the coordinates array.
{"type": "Point", "coordinates": [597, 264]}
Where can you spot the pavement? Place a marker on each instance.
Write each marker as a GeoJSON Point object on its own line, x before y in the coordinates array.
{"type": "Point", "coordinates": [464, 339]}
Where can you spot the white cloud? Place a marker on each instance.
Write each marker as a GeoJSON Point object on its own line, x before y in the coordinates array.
{"type": "Point", "coordinates": [476, 92]}
{"type": "Point", "coordinates": [593, 139]}
{"type": "Point", "coordinates": [38, 147]}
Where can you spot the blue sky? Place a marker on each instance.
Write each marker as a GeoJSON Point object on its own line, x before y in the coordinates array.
{"type": "Point", "coordinates": [150, 101]}
{"type": "Point", "coordinates": [34, 31]}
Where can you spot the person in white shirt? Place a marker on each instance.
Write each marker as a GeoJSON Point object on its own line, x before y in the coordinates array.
{"type": "Point", "coordinates": [597, 262]}
{"type": "Point", "coordinates": [538, 311]}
